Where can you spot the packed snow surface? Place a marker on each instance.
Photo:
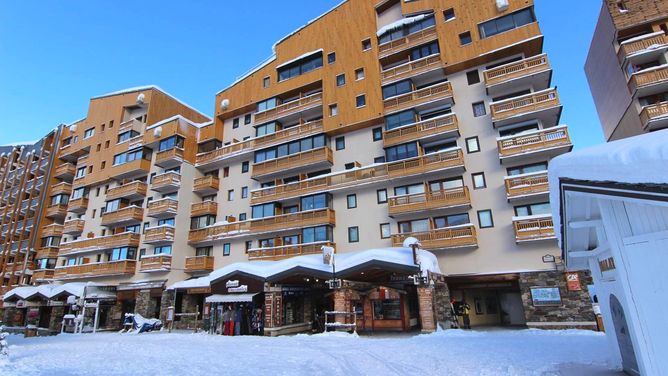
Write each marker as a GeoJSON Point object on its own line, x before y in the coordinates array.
{"type": "Point", "coordinates": [451, 352]}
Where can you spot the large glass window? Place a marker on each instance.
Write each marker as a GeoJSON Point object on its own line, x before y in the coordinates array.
{"type": "Point", "coordinates": [300, 67]}
{"type": "Point", "coordinates": [127, 135]}
{"type": "Point", "coordinates": [527, 169]}
{"type": "Point", "coordinates": [171, 143]}
{"type": "Point", "coordinates": [533, 209]}
{"type": "Point", "coordinates": [112, 205]}
{"type": "Point", "coordinates": [424, 51]}
{"type": "Point", "coordinates": [267, 104]}
{"type": "Point", "coordinates": [264, 210]}
{"type": "Point", "coordinates": [59, 200]}
{"type": "Point", "coordinates": [389, 309]}
{"type": "Point", "coordinates": [418, 225]}
{"type": "Point", "coordinates": [409, 189]}
{"type": "Point", "coordinates": [132, 155]}
{"type": "Point", "coordinates": [123, 253]}
{"type": "Point", "coordinates": [403, 151]}
{"type": "Point", "coordinates": [294, 147]}
{"type": "Point", "coordinates": [265, 129]}
{"type": "Point", "coordinates": [202, 221]}
{"type": "Point", "coordinates": [398, 88]}
{"type": "Point", "coordinates": [399, 119]}
{"type": "Point", "coordinates": [164, 250]}
{"type": "Point", "coordinates": [166, 222]}
{"type": "Point", "coordinates": [451, 220]}
{"type": "Point", "coordinates": [403, 30]}
{"type": "Point", "coordinates": [316, 234]}
{"type": "Point", "coordinates": [441, 185]}
{"type": "Point", "coordinates": [79, 193]}
{"type": "Point", "coordinates": [319, 201]}
{"type": "Point", "coordinates": [505, 23]}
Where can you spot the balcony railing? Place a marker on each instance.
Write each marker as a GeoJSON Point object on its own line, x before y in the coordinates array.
{"type": "Point", "coordinates": [438, 125]}
{"type": "Point", "coordinates": [136, 168]}
{"type": "Point", "coordinates": [533, 228]}
{"type": "Point", "coordinates": [425, 163]}
{"type": "Point", "coordinates": [411, 68]}
{"type": "Point", "coordinates": [169, 181]}
{"type": "Point", "coordinates": [74, 226]}
{"type": "Point", "coordinates": [199, 264]}
{"type": "Point", "coordinates": [411, 40]}
{"type": "Point", "coordinates": [159, 235]}
{"type": "Point", "coordinates": [641, 43]}
{"type": "Point", "coordinates": [133, 189]}
{"type": "Point", "coordinates": [65, 171]}
{"type": "Point", "coordinates": [126, 239]}
{"type": "Point", "coordinates": [285, 109]}
{"type": "Point", "coordinates": [155, 263]}
{"type": "Point", "coordinates": [429, 200]}
{"type": "Point", "coordinates": [43, 274]}
{"type": "Point", "coordinates": [61, 188]}
{"type": "Point", "coordinates": [78, 205]}
{"type": "Point", "coordinates": [203, 208]}
{"type": "Point", "coordinates": [524, 104]}
{"type": "Point", "coordinates": [169, 158]}
{"type": "Point", "coordinates": [516, 69]}
{"type": "Point", "coordinates": [653, 113]}
{"type": "Point", "coordinates": [101, 269]}
{"type": "Point", "coordinates": [285, 251]}
{"type": "Point", "coordinates": [543, 139]}
{"type": "Point", "coordinates": [162, 208]}
{"type": "Point", "coordinates": [526, 184]}
{"type": "Point", "coordinates": [47, 252]}
{"type": "Point", "coordinates": [206, 184]}
{"type": "Point", "coordinates": [303, 159]}
{"type": "Point", "coordinates": [442, 238]}
{"type": "Point", "coordinates": [53, 229]}
{"type": "Point", "coordinates": [126, 215]}
{"type": "Point", "coordinates": [431, 93]}
{"type": "Point", "coordinates": [56, 211]}
{"type": "Point", "coordinates": [649, 77]}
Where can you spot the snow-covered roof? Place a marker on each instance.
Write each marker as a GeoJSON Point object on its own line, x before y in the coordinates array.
{"type": "Point", "coordinates": [400, 23]}
{"type": "Point", "coordinates": [52, 290]}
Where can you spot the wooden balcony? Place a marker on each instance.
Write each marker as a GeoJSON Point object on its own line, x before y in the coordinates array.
{"type": "Point", "coordinates": [63, 188]}
{"type": "Point", "coordinates": [43, 275]}
{"type": "Point", "coordinates": [163, 208]}
{"type": "Point", "coordinates": [411, 69]}
{"type": "Point", "coordinates": [53, 229]}
{"type": "Point", "coordinates": [409, 41]}
{"type": "Point", "coordinates": [78, 205]}
{"type": "Point", "coordinates": [47, 252]}
{"type": "Point", "coordinates": [514, 108]}
{"type": "Point", "coordinates": [203, 208]}
{"type": "Point", "coordinates": [526, 185]}
{"type": "Point", "coordinates": [651, 42]}
{"type": "Point", "coordinates": [440, 91]}
{"type": "Point", "coordinates": [130, 170]}
{"type": "Point", "coordinates": [133, 190]}
{"type": "Point", "coordinates": [441, 125]}
{"type": "Point", "coordinates": [167, 182]}
{"type": "Point", "coordinates": [74, 227]}
{"type": "Point", "coordinates": [58, 211]}
{"type": "Point", "coordinates": [442, 238]}
{"type": "Point", "coordinates": [17, 267]}
{"type": "Point", "coordinates": [132, 124]}
{"type": "Point", "coordinates": [533, 228]}
{"type": "Point", "coordinates": [426, 163]}
{"type": "Point", "coordinates": [161, 235]}
{"type": "Point", "coordinates": [655, 116]}
{"type": "Point", "coordinates": [419, 202]}
{"type": "Point", "coordinates": [289, 108]}
{"type": "Point", "coordinates": [169, 158]}
{"type": "Point", "coordinates": [642, 82]}
{"type": "Point", "coordinates": [546, 142]}
{"type": "Point", "coordinates": [285, 251]}
{"type": "Point", "coordinates": [533, 71]}
{"type": "Point", "coordinates": [98, 269]}
{"type": "Point", "coordinates": [126, 239]}
{"type": "Point", "coordinates": [65, 171]}
{"type": "Point", "coordinates": [123, 217]}
{"type": "Point", "coordinates": [199, 264]}
{"type": "Point", "coordinates": [321, 156]}
{"type": "Point", "coordinates": [155, 263]}
{"type": "Point", "coordinates": [206, 185]}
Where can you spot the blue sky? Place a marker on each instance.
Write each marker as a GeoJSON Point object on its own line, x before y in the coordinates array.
{"type": "Point", "coordinates": [55, 55]}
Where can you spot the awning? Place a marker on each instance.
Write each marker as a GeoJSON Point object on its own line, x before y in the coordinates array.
{"type": "Point", "coordinates": [230, 298]}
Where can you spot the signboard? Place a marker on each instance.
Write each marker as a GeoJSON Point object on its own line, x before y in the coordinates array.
{"type": "Point", "coordinates": [573, 281]}
{"type": "Point", "coordinates": [327, 255]}
{"type": "Point", "coordinates": [545, 296]}
{"type": "Point", "coordinates": [55, 303]}
{"type": "Point", "coordinates": [242, 288]}
{"type": "Point", "coordinates": [232, 283]}
{"type": "Point", "coordinates": [199, 290]}
{"type": "Point", "coordinates": [20, 304]}
{"type": "Point", "coordinates": [90, 305]}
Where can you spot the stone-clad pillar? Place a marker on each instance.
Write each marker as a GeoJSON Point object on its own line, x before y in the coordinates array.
{"type": "Point", "coordinates": [166, 301]}
{"type": "Point", "coordinates": [56, 319]}
{"type": "Point", "coordinates": [143, 303]}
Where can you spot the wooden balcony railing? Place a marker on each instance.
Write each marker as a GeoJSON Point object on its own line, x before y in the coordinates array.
{"type": "Point", "coordinates": [155, 263]}
{"type": "Point", "coordinates": [206, 183]}
{"type": "Point", "coordinates": [414, 98]}
{"type": "Point", "coordinates": [289, 108]}
{"type": "Point", "coordinates": [526, 184]}
{"type": "Point", "coordinates": [438, 125]}
{"type": "Point", "coordinates": [61, 188]}
{"type": "Point", "coordinates": [18, 266]}
{"type": "Point", "coordinates": [648, 77]}
{"type": "Point", "coordinates": [442, 238]}
{"type": "Point", "coordinates": [199, 264]}
{"type": "Point", "coordinates": [126, 239]}
{"type": "Point", "coordinates": [126, 215]}
{"type": "Point", "coordinates": [203, 208]}
{"type": "Point", "coordinates": [653, 112]}
{"type": "Point", "coordinates": [160, 234]}
{"type": "Point", "coordinates": [303, 159]}
{"type": "Point", "coordinates": [425, 163]}
{"type": "Point", "coordinates": [132, 189]}
{"type": "Point", "coordinates": [524, 104]}
{"type": "Point", "coordinates": [132, 124]}
{"type": "Point", "coordinates": [78, 205]}
{"type": "Point", "coordinates": [543, 139]}
{"type": "Point", "coordinates": [516, 69]}
{"type": "Point", "coordinates": [533, 228]}
{"type": "Point", "coordinates": [136, 168]}
{"type": "Point", "coordinates": [74, 226]}
{"type": "Point", "coordinates": [163, 207]}
{"type": "Point", "coordinates": [53, 229]}
{"type": "Point", "coordinates": [56, 211]}
{"type": "Point", "coordinates": [65, 171]}
{"type": "Point", "coordinates": [285, 251]}
{"type": "Point", "coordinates": [429, 200]}
{"type": "Point", "coordinates": [411, 40]}
{"type": "Point", "coordinates": [411, 68]}
{"type": "Point", "coordinates": [47, 252]}
{"type": "Point", "coordinates": [165, 182]}
{"type": "Point", "coordinates": [639, 44]}
{"type": "Point", "coordinates": [169, 158]}
{"type": "Point", "coordinates": [43, 274]}
{"type": "Point", "coordinates": [101, 269]}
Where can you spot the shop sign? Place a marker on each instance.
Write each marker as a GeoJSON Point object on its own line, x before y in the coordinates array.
{"type": "Point", "coordinates": [55, 303]}
{"type": "Point", "coordinates": [90, 305]}
{"type": "Point", "coordinates": [9, 305]}
{"type": "Point", "coordinates": [20, 304]}
{"type": "Point", "coordinates": [242, 288]}
{"type": "Point", "coordinates": [232, 283]}
{"type": "Point", "coordinates": [545, 296]}
{"type": "Point", "coordinates": [199, 290]}
{"type": "Point", "coordinates": [573, 282]}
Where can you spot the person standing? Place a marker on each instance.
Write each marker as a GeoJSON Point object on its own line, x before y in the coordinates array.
{"type": "Point", "coordinates": [226, 319]}
{"type": "Point", "coordinates": [466, 310]}
{"type": "Point", "coordinates": [237, 321]}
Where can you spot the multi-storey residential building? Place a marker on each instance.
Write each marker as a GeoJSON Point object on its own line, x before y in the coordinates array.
{"type": "Point", "coordinates": [627, 67]}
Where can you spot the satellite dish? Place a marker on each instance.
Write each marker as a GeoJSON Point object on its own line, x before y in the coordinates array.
{"type": "Point", "coordinates": [501, 5]}
{"type": "Point", "coordinates": [157, 132]}
{"type": "Point", "coordinates": [411, 241]}
{"type": "Point", "coordinates": [73, 128]}
{"type": "Point", "coordinates": [140, 98]}
{"type": "Point", "coordinates": [224, 104]}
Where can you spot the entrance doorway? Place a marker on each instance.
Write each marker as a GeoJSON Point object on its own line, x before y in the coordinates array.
{"type": "Point", "coordinates": [629, 362]}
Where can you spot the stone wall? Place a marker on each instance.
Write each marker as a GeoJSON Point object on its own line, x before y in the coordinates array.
{"type": "Point", "coordinates": [575, 310]}
{"type": "Point", "coordinates": [12, 317]}
{"type": "Point", "coordinates": [442, 305]}
{"type": "Point", "coordinates": [189, 305]}
{"type": "Point", "coordinates": [143, 303]}
{"type": "Point", "coordinates": [56, 319]}
{"type": "Point", "coordinates": [166, 301]}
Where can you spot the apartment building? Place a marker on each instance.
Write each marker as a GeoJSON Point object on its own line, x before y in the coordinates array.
{"type": "Point", "coordinates": [627, 67]}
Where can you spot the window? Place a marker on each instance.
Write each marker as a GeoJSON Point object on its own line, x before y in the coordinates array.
{"type": "Point", "coordinates": [263, 211]}
{"type": "Point", "coordinates": [349, 166]}
{"type": "Point", "coordinates": [103, 165]}
{"type": "Point", "coordinates": [230, 194]}
{"type": "Point", "coordinates": [266, 81]}
{"type": "Point", "coordinates": [166, 222]}
{"type": "Point", "coordinates": [226, 172]}
{"type": "Point", "coordinates": [202, 221]}
{"type": "Point", "coordinates": [123, 253]}
{"type": "Point", "coordinates": [377, 134]}
{"type": "Point", "coordinates": [106, 144]}
{"type": "Point", "coordinates": [300, 67]}
{"type": "Point", "coordinates": [248, 245]}
{"type": "Point", "coordinates": [472, 145]}
{"type": "Point", "coordinates": [485, 219]}
{"type": "Point", "coordinates": [366, 44]}
{"type": "Point", "coordinates": [409, 189]}
{"type": "Point", "coordinates": [242, 216]}
{"type": "Point", "coordinates": [532, 209]}
{"type": "Point", "coordinates": [79, 193]}
{"type": "Point", "coordinates": [171, 143]}
{"type": "Point", "coordinates": [516, 131]}
{"type": "Point", "coordinates": [244, 167]}
{"type": "Point", "coordinates": [164, 250]}
{"type": "Point", "coordinates": [359, 74]}
{"type": "Point", "coordinates": [90, 169]}
{"type": "Point", "coordinates": [479, 109]}
{"type": "Point", "coordinates": [319, 201]}
{"type": "Point", "coordinates": [235, 123]}
{"type": "Point", "coordinates": [360, 101]}
{"type": "Point", "coordinates": [341, 80]}
{"type": "Point", "coordinates": [465, 38]}
{"type": "Point", "coordinates": [380, 159]}
{"type": "Point", "coordinates": [244, 192]}
{"type": "Point", "coordinates": [203, 251]}
{"type": "Point", "coordinates": [449, 14]}
{"type": "Point", "coordinates": [451, 220]}
{"type": "Point", "coordinates": [385, 231]}
{"type": "Point", "coordinates": [399, 119]}
{"type": "Point", "coordinates": [398, 88]}
{"type": "Point", "coordinates": [400, 32]}
{"type": "Point", "coordinates": [89, 133]}
{"type": "Point", "coordinates": [340, 143]}
{"type": "Point", "coordinates": [381, 196]}
{"type": "Point", "coordinates": [479, 180]}
{"type": "Point", "coordinates": [473, 77]}
{"type": "Point", "coordinates": [417, 225]}
{"type": "Point", "coordinates": [81, 172]}
{"type": "Point", "coordinates": [331, 57]}
{"type": "Point", "coordinates": [316, 234]}
{"type": "Point", "coordinates": [424, 51]}
{"type": "Point", "coordinates": [226, 249]}
{"type": "Point", "coordinates": [353, 234]}
{"type": "Point", "coordinates": [505, 23]}
{"type": "Point", "coordinates": [127, 135]}
{"type": "Point", "coordinates": [99, 147]}
{"type": "Point", "coordinates": [294, 147]}
{"type": "Point", "coordinates": [266, 104]}
{"type": "Point", "coordinates": [352, 201]}
{"type": "Point", "coordinates": [527, 169]}
{"type": "Point", "coordinates": [402, 151]}
{"type": "Point", "coordinates": [247, 119]}
{"type": "Point", "coordinates": [333, 110]}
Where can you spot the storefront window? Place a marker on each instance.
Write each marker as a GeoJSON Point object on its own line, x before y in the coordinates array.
{"type": "Point", "coordinates": [293, 312]}
{"type": "Point", "coordinates": [387, 309]}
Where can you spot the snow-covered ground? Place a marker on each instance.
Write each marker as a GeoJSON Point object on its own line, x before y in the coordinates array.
{"type": "Point", "coordinates": [452, 352]}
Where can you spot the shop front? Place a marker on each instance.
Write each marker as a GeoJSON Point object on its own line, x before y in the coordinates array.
{"type": "Point", "coordinates": [235, 305]}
